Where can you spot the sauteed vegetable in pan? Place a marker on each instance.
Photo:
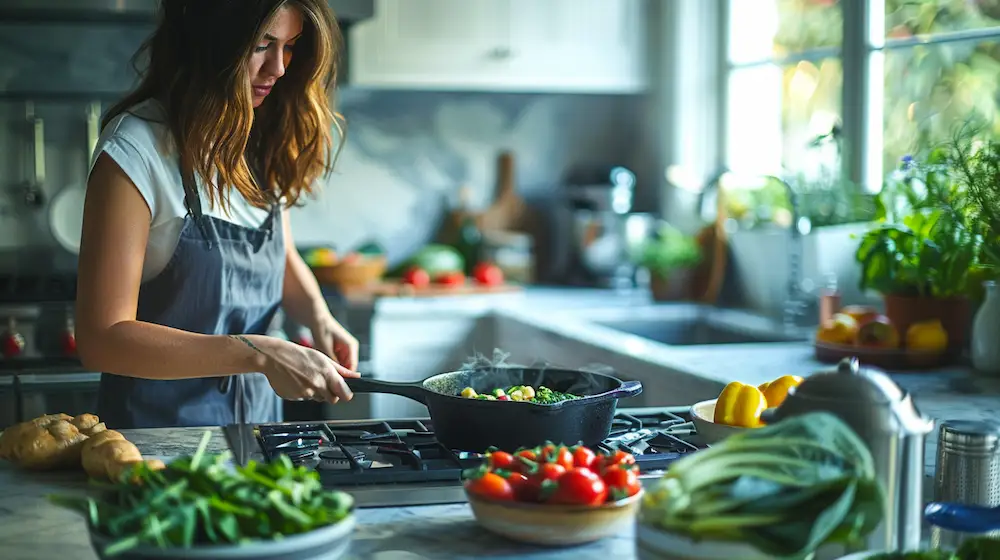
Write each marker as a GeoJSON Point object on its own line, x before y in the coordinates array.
{"type": "Point", "coordinates": [526, 393]}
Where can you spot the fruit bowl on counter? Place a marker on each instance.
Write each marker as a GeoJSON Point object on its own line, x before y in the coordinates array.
{"type": "Point", "coordinates": [863, 332]}
{"type": "Point", "coordinates": [355, 269]}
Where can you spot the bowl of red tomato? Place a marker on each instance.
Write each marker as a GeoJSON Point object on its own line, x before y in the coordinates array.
{"type": "Point", "coordinates": [555, 495]}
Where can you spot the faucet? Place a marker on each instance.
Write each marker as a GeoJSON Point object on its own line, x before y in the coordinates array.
{"type": "Point", "coordinates": [794, 307]}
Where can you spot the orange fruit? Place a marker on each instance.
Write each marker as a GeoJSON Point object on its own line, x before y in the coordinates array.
{"type": "Point", "coordinates": [840, 329]}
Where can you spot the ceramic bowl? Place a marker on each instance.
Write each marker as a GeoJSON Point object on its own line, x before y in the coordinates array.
{"type": "Point", "coordinates": [555, 525]}
{"type": "Point", "coordinates": [654, 544]}
{"type": "Point", "coordinates": [702, 415]}
{"type": "Point", "coordinates": [327, 543]}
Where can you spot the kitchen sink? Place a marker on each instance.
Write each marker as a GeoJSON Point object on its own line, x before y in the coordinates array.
{"type": "Point", "coordinates": [692, 324]}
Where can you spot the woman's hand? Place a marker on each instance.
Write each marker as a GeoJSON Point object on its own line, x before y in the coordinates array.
{"type": "Point", "coordinates": [332, 339]}
{"type": "Point", "coordinates": [298, 373]}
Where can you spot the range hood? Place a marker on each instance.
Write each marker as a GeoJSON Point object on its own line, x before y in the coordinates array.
{"type": "Point", "coordinates": [139, 11]}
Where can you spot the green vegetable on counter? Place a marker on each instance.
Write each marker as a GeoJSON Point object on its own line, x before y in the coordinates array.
{"type": "Point", "coordinates": [199, 500]}
{"type": "Point", "coordinates": [786, 489]}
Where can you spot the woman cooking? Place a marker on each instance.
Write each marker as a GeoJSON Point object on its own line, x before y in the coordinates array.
{"type": "Point", "coordinates": [187, 250]}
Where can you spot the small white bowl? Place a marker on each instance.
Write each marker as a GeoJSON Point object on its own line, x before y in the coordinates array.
{"type": "Point", "coordinates": [703, 414]}
{"type": "Point", "coordinates": [654, 544]}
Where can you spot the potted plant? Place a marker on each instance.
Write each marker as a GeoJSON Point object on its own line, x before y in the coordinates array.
{"type": "Point", "coordinates": [923, 257]}
{"type": "Point", "coordinates": [670, 257]}
{"type": "Point", "coordinates": [975, 163]}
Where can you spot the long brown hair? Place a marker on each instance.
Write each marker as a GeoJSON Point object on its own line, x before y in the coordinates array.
{"type": "Point", "coordinates": [197, 69]}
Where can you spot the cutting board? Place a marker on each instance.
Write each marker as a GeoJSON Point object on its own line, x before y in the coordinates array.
{"type": "Point", "coordinates": [390, 288]}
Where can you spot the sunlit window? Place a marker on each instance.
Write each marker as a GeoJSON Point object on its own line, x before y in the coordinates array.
{"type": "Point", "coordinates": [930, 64]}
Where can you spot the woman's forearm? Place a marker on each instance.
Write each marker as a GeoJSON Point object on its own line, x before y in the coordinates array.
{"type": "Point", "coordinates": [151, 351]}
{"type": "Point", "coordinates": [302, 298]}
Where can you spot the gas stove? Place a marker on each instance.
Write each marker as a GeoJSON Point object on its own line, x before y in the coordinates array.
{"type": "Point", "coordinates": [399, 462]}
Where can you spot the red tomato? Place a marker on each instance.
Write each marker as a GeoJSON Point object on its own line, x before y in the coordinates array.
{"type": "Point", "coordinates": [491, 486]}
{"type": "Point", "coordinates": [621, 481]}
{"type": "Point", "coordinates": [549, 471]}
{"type": "Point", "coordinates": [520, 485]}
{"type": "Point", "coordinates": [542, 482]}
{"type": "Point", "coordinates": [352, 258]}
{"type": "Point", "coordinates": [559, 455]}
{"type": "Point", "coordinates": [528, 454]}
{"type": "Point", "coordinates": [584, 457]}
{"type": "Point", "coordinates": [501, 460]}
{"type": "Point", "coordinates": [488, 274]}
{"type": "Point", "coordinates": [416, 276]}
{"type": "Point", "coordinates": [580, 487]}
{"type": "Point", "coordinates": [451, 279]}
{"type": "Point", "coordinates": [618, 458]}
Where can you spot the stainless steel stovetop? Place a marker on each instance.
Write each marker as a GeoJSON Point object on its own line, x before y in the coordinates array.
{"type": "Point", "coordinates": [397, 462]}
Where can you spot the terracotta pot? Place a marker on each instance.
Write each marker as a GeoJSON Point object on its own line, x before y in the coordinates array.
{"type": "Point", "coordinates": [954, 314]}
{"type": "Point", "coordinates": [674, 286]}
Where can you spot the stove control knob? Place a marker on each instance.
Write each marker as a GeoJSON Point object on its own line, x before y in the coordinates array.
{"type": "Point", "coordinates": [11, 342]}
{"type": "Point", "coordinates": [67, 341]}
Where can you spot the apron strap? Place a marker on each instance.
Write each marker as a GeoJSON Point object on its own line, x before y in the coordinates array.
{"type": "Point", "coordinates": [268, 224]}
{"type": "Point", "coordinates": [193, 203]}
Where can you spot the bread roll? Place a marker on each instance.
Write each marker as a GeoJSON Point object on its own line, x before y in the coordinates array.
{"type": "Point", "coordinates": [44, 443]}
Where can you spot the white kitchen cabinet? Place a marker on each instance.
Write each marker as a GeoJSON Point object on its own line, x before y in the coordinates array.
{"type": "Point", "coordinates": [585, 46]}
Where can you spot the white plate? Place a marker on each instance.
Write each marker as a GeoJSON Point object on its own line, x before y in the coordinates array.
{"type": "Point", "coordinates": [66, 217]}
{"type": "Point", "coordinates": [653, 544]}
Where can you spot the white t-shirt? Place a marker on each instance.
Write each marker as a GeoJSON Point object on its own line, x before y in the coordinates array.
{"type": "Point", "coordinates": [141, 144]}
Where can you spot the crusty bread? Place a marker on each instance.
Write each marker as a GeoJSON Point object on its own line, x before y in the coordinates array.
{"type": "Point", "coordinates": [44, 443]}
{"type": "Point", "coordinates": [57, 441]}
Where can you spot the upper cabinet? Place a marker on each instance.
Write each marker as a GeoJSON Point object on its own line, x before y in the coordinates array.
{"type": "Point", "coordinates": [585, 46]}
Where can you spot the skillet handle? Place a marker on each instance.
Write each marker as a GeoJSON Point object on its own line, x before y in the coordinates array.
{"type": "Point", "coordinates": [413, 391]}
{"type": "Point", "coordinates": [628, 389]}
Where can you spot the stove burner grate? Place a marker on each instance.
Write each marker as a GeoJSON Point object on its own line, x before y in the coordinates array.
{"type": "Point", "coordinates": [402, 452]}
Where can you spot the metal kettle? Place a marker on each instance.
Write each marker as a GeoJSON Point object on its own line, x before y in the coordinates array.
{"type": "Point", "coordinates": [885, 418]}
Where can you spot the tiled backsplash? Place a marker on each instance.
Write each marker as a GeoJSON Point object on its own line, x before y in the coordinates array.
{"type": "Point", "coordinates": [406, 155]}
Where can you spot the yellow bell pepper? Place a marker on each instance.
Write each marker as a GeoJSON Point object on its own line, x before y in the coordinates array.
{"type": "Point", "coordinates": [740, 405]}
{"type": "Point", "coordinates": [776, 391]}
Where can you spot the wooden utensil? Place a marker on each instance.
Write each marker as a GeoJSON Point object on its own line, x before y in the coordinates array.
{"type": "Point", "coordinates": [711, 272]}
{"type": "Point", "coordinates": [508, 211]}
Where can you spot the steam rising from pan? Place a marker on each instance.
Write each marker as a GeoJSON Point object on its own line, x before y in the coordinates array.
{"type": "Point", "coordinates": [484, 374]}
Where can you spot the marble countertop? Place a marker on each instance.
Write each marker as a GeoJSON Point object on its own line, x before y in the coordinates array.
{"type": "Point", "coordinates": [574, 314]}
{"type": "Point", "coordinates": [33, 529]}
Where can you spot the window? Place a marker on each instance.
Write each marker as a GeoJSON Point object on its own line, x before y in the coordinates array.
{"type": "Point", "coordinates": [853, 85]}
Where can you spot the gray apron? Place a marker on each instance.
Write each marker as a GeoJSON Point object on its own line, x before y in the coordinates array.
{"type": "Point", "coordinates": [222, 279]}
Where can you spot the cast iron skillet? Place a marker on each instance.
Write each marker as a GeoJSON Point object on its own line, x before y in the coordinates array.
{"type": "Point", "coordinates": [474, 425]}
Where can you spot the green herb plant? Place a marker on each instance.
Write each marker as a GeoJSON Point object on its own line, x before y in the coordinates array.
{"type": "Point", "coordinates": [786, 489]}
{"type": "Point", "coordinates": [975, 162]}
{"type": "Point", "coordinates": [669, 250]}
{"type": "Point", "coordinates": [199, 500]}
{"type": "Point", "coordinates": [927, 241]}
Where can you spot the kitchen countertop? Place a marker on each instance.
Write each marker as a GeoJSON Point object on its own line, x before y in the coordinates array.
{"type": "Point", "coordinates": [30, 528]}
{"type": "Point", "coordinates": [953, 392]}
{"type": "Point", "coordinates": [33, 529]}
